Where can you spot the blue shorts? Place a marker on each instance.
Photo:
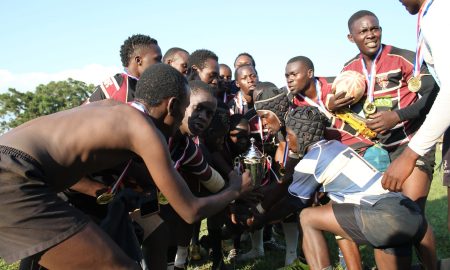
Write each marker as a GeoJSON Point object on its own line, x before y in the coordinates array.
{"type": "Point", "coordinates": [393, 223]}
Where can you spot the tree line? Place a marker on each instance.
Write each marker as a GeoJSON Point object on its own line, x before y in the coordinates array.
{"type": "Point", "coordinates": [18, 107]}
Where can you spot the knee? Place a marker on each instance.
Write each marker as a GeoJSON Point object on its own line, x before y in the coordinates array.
{"type": "Point", "coordinates": [305, 217]}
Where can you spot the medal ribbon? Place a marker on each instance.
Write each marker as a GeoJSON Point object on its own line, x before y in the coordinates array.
{"type": "Point", "coordinates": [371, 77]}
{"type": "Point", "coordinates": [419, 54]}
{"type": "Point", "coordinates": [319, 104]}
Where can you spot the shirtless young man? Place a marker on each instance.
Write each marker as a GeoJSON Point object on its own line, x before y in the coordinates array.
{"type": "Point", "coordinates": [51, 153]}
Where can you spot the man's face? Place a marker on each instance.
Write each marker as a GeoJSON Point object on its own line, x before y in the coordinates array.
{"type": "Point", "coordinates": [210, 73]}
{"type": "Point", "coordinates": [246, 80]}
{"type": "Point", "coordinates": [412, 6]}
{"type": "Point", "coordinates": [291, 140]}
{"type": "Point", "coordinates": [242, 60]}
{"type": "Point", "coordinates": [149, 56]}
{"type": "Point", "coordinates": [366, 34]}
{"type": "Point", "coordinates": [179, 62]}
{"type": "Point", "coordinates": [199, 114]}
{"type": "Point", "coordinates": [269, 121]}
{"type": "Point", "coordinates": [298, 77]}
{"type": "Point", "coordinates": [239, 137]}
{"type": "Point", "coordinates": [225, 74]}
{"type": "Point", "coordinates": [177, 115]}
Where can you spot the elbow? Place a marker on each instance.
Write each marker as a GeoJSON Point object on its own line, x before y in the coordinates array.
{"type": "Point", "coordinates": [193, 215]}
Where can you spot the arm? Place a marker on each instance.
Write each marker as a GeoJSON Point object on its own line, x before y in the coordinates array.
{"type": "Point", "coordinates": [171, 184]}
{"type": "Point", "coordinates": [421, 107]}
{"type": "Point", "coordinates": [88, 186]}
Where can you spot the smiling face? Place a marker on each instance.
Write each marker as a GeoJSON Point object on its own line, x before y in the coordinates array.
{"type": "Point", "coordinates": [199, 114]}
{"type": "Point", "coordinates": [269, 121]}
{"type": "Point", "coordinates": [365, 32]}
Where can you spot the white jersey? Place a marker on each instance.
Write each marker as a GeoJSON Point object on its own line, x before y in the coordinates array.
{"type": "Point", "coordinates": [341, 172]}
{"type": "Point", "coordinates": [438, 61]}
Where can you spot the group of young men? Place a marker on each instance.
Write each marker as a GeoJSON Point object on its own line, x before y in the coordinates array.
{"type": "Point", "coordinates": [159, 143]}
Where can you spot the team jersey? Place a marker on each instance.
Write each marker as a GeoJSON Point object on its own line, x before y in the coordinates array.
{"type": "Point", "coordinates": [339, 171]}
{"type": "Point", "coordinates": [336, 128]}
{"type": "Point", "coordinates": [189, 160]}
{"type": "Point", "coordinates": [394, 67]}
{"type": "Point", "coordinates": [120, 87]}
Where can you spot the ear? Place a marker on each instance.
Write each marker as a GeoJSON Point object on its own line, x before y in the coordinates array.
{"type": "Point", "coordinates": [138, 60]}
{"type": "Point", "coordinates": [310, 73]}
{"type": "Point", "coordinates": [173, 106]}
{"type": "Point", "coordinates": [350, 38]}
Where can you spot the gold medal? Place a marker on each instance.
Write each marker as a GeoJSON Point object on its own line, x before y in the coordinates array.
{"type": "Point", "coordinates": [369, 108]}
{"type": "Point", "coordinates": [414, 84]}
{"type": "Point", "coordinates": [105, 198]}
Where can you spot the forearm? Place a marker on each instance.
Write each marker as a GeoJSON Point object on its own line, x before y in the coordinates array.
{"type": "Point", "coordinates": [422, 106]}
{"type": "Point", "coordinates": [435, 124]}
{"type": "Point", "coordinates": [87, 186]}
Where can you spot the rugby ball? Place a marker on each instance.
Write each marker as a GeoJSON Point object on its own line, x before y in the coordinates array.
{"type": "Point", "coordinates": [351, 82]}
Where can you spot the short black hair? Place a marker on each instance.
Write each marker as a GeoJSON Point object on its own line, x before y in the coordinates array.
{"type": "Point", "coordinates": [198, 58]}
{"type": "Point", "coordinates": [245, 54]}
{"type": "Point", "coordinates": [236, 120]}
{"type": "Point", "coordinates": [133, 43]}
{"type": "Point", "coordinates": [158, 82]}
{"type": "Point", "coordinates": [171, 52]}
{"type": "Point", "coordinates": [197, 85]}
{"type": "Point", "coordinates": [358, 15]}
{"type": "Point", "coordinates": [236, 72]}
{"type": "Point", "coordinates": [305, 60]}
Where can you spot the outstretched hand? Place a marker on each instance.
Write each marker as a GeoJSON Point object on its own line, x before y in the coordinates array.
{"type": "Point", "coordinates": [242, 183]}
{"type": "Point", "coordinates": [381, 122]}
{"type": "Point", "coordinates": [399, 170]}
{"type": "Point", "coordinates": [339, 101]}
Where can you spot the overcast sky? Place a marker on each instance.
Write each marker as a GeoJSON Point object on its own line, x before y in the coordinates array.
{"type": "Point", "coordinates": [53, 40]}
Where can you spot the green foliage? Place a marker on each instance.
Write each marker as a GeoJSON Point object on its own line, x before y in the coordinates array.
{"type": "Point", "coordinates": [17, 107]}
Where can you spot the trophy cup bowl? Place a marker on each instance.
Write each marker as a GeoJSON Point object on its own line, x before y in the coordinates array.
{"type": "Point", "coordinates": [255, 162]}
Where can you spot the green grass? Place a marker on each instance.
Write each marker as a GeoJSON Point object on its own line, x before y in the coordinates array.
{"type": "Point", "coordinates": [436, 213]}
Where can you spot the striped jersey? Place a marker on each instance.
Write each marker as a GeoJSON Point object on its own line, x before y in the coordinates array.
{"type": "Point", "coordinates": [339, 171]}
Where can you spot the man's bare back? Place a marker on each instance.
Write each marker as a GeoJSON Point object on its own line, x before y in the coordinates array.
{"type": "Point", "coordinates": [76, 142]}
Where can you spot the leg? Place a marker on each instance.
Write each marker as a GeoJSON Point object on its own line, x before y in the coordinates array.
{"type": "Point", "coordinates": [390, 261]}
{"type": "Point", "coordinates": [155, 246]}
{"type": "Point", "coordinates": [314, 220]}
{"type": "Point", "coordinates": [416, 187]}
{"type": "Point", "coordinates": [89, 248]}
{"type": "Point", "coordinates": [350, 250]}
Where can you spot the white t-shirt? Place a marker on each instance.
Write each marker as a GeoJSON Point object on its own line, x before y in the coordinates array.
{"type": "Point", "coordinates": [434, 27]}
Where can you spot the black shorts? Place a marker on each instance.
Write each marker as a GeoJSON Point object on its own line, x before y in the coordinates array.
{"type": "Point", "coordinates": [32, 216]}
{"type": "Point", "coordinates": [424, 163]}
{"type": "Point", "coordinates": [392, 223]}
{"type": "Point", "coordinates": [446, 158]}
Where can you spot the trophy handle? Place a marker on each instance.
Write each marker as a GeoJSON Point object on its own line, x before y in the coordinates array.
{"type": "Point", "coordinates": [269, 159]}
{"type": "Point", "coordinates": [237, 165]}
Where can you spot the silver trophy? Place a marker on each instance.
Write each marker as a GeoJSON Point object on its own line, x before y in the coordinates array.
{"type": "Point", "coordinates": [255, 162]}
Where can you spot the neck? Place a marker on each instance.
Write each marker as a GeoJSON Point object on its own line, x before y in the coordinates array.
{"type": "Point", "coordinates": [311, 90]}
{"type": "Point", "coordinates": [133, 71]}
{"type": "Point", "coordinates": [247, 98]}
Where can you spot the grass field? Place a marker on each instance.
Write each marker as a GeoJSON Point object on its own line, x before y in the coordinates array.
{"type": "Point", "coordinates": [436, 213]}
